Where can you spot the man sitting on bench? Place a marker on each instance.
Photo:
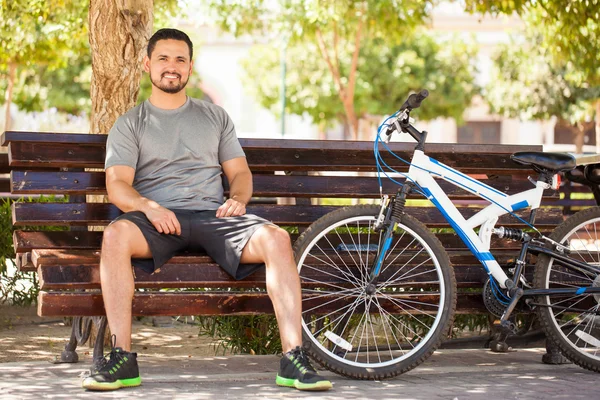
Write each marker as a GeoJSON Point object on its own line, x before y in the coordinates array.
{"type": "Point", "coordinates": [164, 160]}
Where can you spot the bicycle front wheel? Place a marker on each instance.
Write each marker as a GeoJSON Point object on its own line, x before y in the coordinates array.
{"type": "Point", "coordinates": [373, 331]}
{"type": "Point", "coordinates": [572, 321]}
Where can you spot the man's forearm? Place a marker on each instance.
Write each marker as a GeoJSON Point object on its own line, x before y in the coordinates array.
{"type": "Point", "coordinates": [240, 187]}
{"type": "Point", "coordinates": [126, 198]}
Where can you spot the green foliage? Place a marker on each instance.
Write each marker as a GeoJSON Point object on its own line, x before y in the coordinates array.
{"type": "Point", "coordinates": [247, 334]}
{"type": "Point", "coordinates": [299, 20]}
{"type": "Point", "coordinates": [569, 31]}
{"type": "Point", "coordinates": [526, 83]}
{"type": "Point", "coordinates": [48, 41]}
{"type": "Point", "coordinates": [385, 75]}
{"type": "Point", "coordinates": [34, 32]}
{"type": "Point", "coordinates": [12, 286]}
{"type": "Point", "coordinates": [326, 38]}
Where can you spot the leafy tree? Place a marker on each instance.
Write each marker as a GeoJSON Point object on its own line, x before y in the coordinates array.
{"type": "Point", "coordinates": [35, 33]}
{"type": "Point", "coordinates": [63, 79]}
{"type": "Point", "coordinates": [525, 83]}
{"type": "Point", "coordinates": [385, 74]}
{"type": "Point", "coordinates": [337, 30]}
{"type": "Point", "coordinates": [569, 32]}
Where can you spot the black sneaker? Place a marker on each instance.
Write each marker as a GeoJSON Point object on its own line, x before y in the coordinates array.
{"type": "Point", "coordinates": [119, 371]}
{"type": "Point", "coordinates": [296, 371]}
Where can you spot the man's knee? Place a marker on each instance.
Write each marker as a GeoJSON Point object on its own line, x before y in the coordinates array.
{"type": "Point", "coordinates": [119, 236]}
{"type": "Point", "coordinates": [273, 237]}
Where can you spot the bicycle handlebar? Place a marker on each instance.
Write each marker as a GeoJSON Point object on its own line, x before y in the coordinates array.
{"type": "Point", "coordinates": [413, 101]}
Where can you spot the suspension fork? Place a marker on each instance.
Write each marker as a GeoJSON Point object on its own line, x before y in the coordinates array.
{"type": "Point", "coordinates": [393, 215]}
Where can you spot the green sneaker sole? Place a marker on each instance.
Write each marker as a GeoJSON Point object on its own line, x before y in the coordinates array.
{"type": "Point", "coordinates": [91, 384]}
{"type": "Point", "coordinates": [295, 383]}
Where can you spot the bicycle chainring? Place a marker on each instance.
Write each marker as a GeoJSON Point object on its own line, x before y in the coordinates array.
{"type": "Point", "coordinates": [492, 304]}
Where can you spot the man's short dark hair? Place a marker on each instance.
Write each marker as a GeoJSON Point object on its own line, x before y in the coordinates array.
{"type": "Point", "coordinates": [169, 33]}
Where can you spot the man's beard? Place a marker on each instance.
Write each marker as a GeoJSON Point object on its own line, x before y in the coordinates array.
{"type": "Point", "coordinates": [169, 87]}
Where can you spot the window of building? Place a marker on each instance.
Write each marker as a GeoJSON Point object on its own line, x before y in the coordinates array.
{"type": "Point", "coordinates": [563, 133]}
{"type": "Point", "coordinates": [479, 132]}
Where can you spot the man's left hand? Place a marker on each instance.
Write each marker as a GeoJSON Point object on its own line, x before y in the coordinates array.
{"type": "Point", "coordinates": [231, 208]}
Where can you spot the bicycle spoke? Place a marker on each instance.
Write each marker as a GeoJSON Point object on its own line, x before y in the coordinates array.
{"type": "Point", "coordinates": [383, 317]}
{"type": "Point", "coordinates": [401, 278]}
{"type": "Point", "coordinates": [402, 323]}
{"type": "Point", "coordinates": [408, 305]}
{"type": "Point", "coordinates": [387, 317]}
{"type": "Point", "coordinates": [326, 273]}
{"type": "Point", "coordinates": [352, 306]}
{"type": "Point", "coordinates": [321, 305]}
{"type": "Point", "coordinates": [333, 264]}
{"type": "Point", "coordinates": [387, 283]}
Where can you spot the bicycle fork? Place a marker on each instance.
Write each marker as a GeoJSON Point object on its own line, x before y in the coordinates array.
{"type": "Point", "coordinates": [389, 215]}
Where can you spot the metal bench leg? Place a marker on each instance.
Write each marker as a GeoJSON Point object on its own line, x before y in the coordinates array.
{"type": "Point", "coordinates": [98, 359]}
{"type": "Point", "coordinates": [80, 332]}
{"type": "Point", "coordinates": [553, 354]}
{"type": "Point", "coordinates": [69, 355]}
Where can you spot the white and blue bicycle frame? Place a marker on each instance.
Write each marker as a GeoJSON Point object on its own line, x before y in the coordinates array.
{"type": "Point", "coordinates": [422, 171]}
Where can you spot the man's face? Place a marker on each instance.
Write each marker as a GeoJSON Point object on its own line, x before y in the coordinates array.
{"type": "Point", "coordinates": [169, 65]}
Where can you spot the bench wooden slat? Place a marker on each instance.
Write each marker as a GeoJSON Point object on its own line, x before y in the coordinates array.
{"type": "Point", "coordinates": [55, 156]}
{"type": "Point", "coordinates": [80, 214]}
{"type": "Point", "coordinates": [25, 241]}
{"type": "Point", "coordinates": [73, 214]}
{"type": "Point", "coordinates": [64, 257]}
{"type": "Point", "coordinates": [34, 182]}
{"type": "Point", "coordinates": [4, 185]}
{"type": "Point", "coordinates": [203, 272]}
{"type": "Point", "coordinates": [4, 167]}
{"type": "Point", "coordinates": [292, 155]}
{"type": "Point", "coordinates": [55, 304]}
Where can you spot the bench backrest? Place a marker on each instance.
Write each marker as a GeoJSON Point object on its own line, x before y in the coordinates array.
{"type": "Point", "coordinates": [292, 180]}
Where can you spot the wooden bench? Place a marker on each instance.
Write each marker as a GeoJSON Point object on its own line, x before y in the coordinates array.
{"type": "Point", "coordinates": [291, 180]}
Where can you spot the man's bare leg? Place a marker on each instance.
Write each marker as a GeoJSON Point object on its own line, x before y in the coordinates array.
{"type": "Point", "coordinates": [121, 241]}
{"type": "Point", "coordinates": [272, 246]}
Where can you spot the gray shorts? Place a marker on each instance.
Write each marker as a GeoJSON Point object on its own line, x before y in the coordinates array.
{"type": "Point", "coordinates": [223, 239]}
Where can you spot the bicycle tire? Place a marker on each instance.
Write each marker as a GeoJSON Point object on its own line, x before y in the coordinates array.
{"type": "Point", "coordinates": [331, 246]}
{"type": "Point", "coordinates": [582, 346]}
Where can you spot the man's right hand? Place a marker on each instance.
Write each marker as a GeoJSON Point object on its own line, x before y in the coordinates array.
{"type": "Point", "coordinates": [163, 219]}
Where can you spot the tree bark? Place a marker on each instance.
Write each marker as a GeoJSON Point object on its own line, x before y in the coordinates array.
{"type": "Point", "coordinates": [345, 92]}
{"type": "Point", "coordinates": [12, 74]}
{"type": "Point", "coordinates": [119, 33]}
{"type": "Point", "coordinates": [579, 135]}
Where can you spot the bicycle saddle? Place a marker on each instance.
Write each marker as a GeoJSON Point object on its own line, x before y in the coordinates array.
{"type": "Point", "coordinates": [541, 161]}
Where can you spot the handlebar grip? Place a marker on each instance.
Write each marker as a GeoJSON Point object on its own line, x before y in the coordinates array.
{"type": "Point", "coordinates": [415, 99]}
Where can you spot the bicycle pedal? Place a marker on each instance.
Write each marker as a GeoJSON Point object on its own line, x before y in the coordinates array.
{"type": "Point", "coordinates": [506, 327]}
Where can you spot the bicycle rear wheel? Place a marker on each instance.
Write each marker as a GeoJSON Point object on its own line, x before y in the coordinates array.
{"type": "Point", "coordinates": [379, 331]}
{"type": "Point", "coordinates": [575, 331]}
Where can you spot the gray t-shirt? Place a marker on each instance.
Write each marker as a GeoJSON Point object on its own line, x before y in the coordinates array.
{"type": "Point", "coordinates": [176, 154]}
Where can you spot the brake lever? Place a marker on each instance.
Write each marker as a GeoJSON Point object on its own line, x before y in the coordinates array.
{"type": "Point", "coordinates": [396, 124]}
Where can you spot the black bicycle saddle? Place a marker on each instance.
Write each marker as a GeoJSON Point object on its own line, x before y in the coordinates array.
{"type": "Point", "coordinates": [547, 162]}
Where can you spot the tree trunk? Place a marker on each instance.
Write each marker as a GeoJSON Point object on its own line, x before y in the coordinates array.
{"type": "Point", "coordinates": [352, 119]}
{"type": "Point", "coordinates": [579, 133]}
{"type": "Point", "coordinates": [598, 126]}
{"type": "Point", "coordinates": [119, 33]}
{"type": "Point", "coordinates": [12, 73]}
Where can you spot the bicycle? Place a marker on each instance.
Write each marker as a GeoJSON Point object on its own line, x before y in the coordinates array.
{"type": "Point", "coordinates": [385, 293]}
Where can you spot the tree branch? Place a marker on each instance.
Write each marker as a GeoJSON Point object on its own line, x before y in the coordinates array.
{"type": "Point", "coordinates": [334, 71]}
{"type": "Point", "coordinates": [335, 46]}
{"type": "Point", "coordinates": [354, 65]}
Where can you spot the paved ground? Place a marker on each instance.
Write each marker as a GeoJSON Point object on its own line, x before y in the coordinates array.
{"type": "Point", "coordinates": [449, 374]}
